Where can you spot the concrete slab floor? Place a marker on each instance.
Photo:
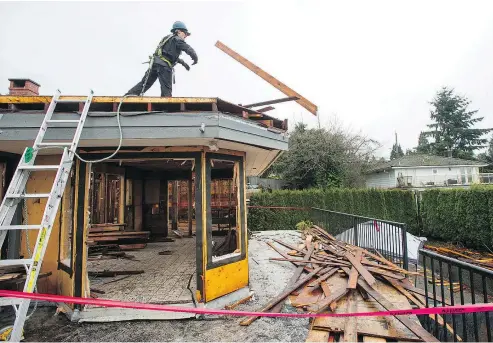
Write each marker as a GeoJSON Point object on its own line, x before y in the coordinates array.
{"type": "Point", "coordinates": [266, 279]}
{"type": "Point", "coordinates": [165, 279]}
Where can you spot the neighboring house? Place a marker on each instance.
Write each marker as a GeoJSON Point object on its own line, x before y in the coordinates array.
{"type": "Point", "coordinates": [423, 171]}
{"type": "Point", "coordinates": [191, 151]}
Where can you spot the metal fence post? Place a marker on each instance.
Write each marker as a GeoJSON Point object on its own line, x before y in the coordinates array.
{"type": "Point", "coordinates": [405, 257]}
{"type": "Point", "coordinates": [355, 231]}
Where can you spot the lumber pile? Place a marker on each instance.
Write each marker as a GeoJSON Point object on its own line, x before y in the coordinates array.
{"type": "Point", "coordinates": [335, 276]}
{"type": "Point", "coordinates": [103, 234]}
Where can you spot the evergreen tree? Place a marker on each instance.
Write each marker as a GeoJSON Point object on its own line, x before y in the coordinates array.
{"type": "Point", "coordinates": [453, 128]}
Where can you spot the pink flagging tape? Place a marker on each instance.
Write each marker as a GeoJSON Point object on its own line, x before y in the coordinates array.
{"type": "Point", "coordinates": [470, 308]}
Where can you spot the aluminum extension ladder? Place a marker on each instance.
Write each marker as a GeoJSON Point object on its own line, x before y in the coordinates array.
{"type": "Point", "coordinates": [17, 192]}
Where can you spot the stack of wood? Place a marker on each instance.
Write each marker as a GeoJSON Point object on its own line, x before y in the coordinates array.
{"type": "Point", "coordinates": [103, 234]}
{"type": "Point", "coordinates": [344, 278]}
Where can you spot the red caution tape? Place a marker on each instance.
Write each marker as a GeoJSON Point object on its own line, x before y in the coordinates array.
{"type": "Point", "coordinates": [154, 307]}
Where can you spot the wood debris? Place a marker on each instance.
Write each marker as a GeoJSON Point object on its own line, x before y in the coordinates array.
{"type": "Point", "coordinates": [111, 273]}
{"type": "Point", "coordinates": [481, 259]}
{"type": "Point", "coordinates": [345, 278]}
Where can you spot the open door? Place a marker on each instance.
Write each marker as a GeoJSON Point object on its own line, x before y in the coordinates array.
{"type": "Point", "coordinates": [226, 257]}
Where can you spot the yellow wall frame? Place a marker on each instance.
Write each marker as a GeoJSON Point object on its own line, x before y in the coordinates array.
{"type": "Point", "coordinates": [223, 279]}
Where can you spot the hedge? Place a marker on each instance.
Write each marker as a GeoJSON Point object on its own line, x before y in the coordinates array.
{"type": "Point", "coordinates": [459, 215]}
{"type": "Point", "coordinates": [452, 215]}
{"type": "Point", "coordinates": [395, 205]}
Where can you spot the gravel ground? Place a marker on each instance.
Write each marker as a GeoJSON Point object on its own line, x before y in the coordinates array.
{"type": "Point", "coordinates": [267, 278]}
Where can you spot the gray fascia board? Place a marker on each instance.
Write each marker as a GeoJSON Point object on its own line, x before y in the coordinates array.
{"type": "Point", "coordinates": [25, 126]}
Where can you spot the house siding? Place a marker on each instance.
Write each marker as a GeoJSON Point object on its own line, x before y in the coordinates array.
{"type": "Point", "coordinates": [424, 176]}
{"type": "Point", "coordinates": [381, 179]}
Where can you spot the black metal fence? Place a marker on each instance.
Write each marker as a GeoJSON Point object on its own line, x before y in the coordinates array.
{"type": "Point", "coordinates": [387, 237]}
{"type": "Point", "coordinates": [449, 281]}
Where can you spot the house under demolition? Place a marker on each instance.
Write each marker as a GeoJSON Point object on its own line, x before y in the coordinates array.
{"type": "Point", "coordinates": [163, 221]}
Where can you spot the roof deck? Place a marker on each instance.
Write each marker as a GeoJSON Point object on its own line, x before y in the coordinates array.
{"type": "Point", "coordinates": [145, 104]}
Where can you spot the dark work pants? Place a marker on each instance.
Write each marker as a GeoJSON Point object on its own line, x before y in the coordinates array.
{"type": "Point", "coordinates": [164, 74]}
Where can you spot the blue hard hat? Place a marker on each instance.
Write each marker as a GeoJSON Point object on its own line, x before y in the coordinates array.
{"type": "Point", "coordinates": [179, 25]}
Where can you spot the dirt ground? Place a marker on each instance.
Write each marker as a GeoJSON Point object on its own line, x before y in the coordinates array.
{"type": "Point", "coordinates": [267, 278]}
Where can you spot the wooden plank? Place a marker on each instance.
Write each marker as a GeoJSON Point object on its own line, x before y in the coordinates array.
{"type": "Point", "coordinates": [299, 261]}
{"type": "Point", "coordinates": [370, 339]}
{"type": "Point", "coordinates": [307, 296]}
{"type": "Point", "coordinates": [104, 229]}
{"type": "Point", "coordinates": [418, 330]}
{"type": "Point", "coordinates": [317, 336]}
{"type": "Point", "coordinates": [289, 246]}
{"type": "Point", "coordinates": [312, 108]}
{"type": "Point", "coordinates": [387, 262]}
{"type": "Point", "coordinates": [120, 233]}
{"type": "Point", "coordinates": [110, 273]}
{"type": "Point", "coordinates": [107, 225]}
{"type": "Point", "coordinates": [350, 328]}
{"type": "Point", "coordinates": [355, 261]}
{"type": "Point", "coordinates": [296, 275]}
{"type": "Point", "coordinates": [325, 303]}
{"type": "Point", "coordinates": [266, 109]}
{"type": "Point", "coordinates": [126, 247]}
{"type": "Point", "coordinates": [325, 288]}
{"type": "Point", "coordinates": [267, 122]}
{"type": "Point", "coordinates": [407, 285]}
{"type": "Point", "coordinates": [282, 296]}
{"type": "Point", "coordinates": [353, 274]}
{"type": "Point", "coordinates": [326, 273]}
{"type": "Point", "coordinates": [385, 273]}
{"type": "Point", "coordinates": [282, 253]}
{"type": "Point", "coordinates": [39, 99]}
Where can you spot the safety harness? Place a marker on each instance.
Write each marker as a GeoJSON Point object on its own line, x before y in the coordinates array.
{"type": "Point", "coordinates": [159, 50]}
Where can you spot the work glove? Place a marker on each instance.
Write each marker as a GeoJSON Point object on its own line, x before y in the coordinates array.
{"type": "Point", "coordinates": [183, 63]}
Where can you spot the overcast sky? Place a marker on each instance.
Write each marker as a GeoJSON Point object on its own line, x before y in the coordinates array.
{"type": "Point", "coordinates": [372, 64]}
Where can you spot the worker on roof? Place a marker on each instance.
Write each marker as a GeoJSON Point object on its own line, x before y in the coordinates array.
{"type": "Point", "coordinates": [164, 59]}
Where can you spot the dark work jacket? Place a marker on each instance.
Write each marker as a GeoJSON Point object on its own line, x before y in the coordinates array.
{"type": "Point", "coordinates": [172, 49]}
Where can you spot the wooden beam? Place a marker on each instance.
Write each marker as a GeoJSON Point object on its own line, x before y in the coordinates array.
{"type": "Point", "coordinates": [312, 108]}
{"type": "Point", "coordinates": [265, 109]}
{"type": "Point", "coordinates": [272, 102]}
{"type": "Point", "coordinates": [355, 261]}
{"type": "Point", "coordinates": [350, 328]}
{"type": "Point", "coordinates": [39, 99]}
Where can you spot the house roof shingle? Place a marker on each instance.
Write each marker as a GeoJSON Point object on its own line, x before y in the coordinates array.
{"type": "Point", "coordinates": [423, 161]}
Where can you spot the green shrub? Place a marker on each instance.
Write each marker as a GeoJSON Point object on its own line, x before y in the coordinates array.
{"type": "Point", "coordinates": [395, 205]}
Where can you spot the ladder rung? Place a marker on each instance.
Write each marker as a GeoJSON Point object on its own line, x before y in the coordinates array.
{"type": "Point", "coordinates": [56, 144]}
{"type": "Point", "coordinates": [28, 195]}
{"type": "Point", "coordinates": [68, 101]}
{"type": "Point", "coordinates": [39, 167]}
{"type": "Point", "coordinates": [16, 262]}
{"type": "Point", "coordinates": [20, 227]}
{"type": "Point", "coordinates": [63, 121]}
